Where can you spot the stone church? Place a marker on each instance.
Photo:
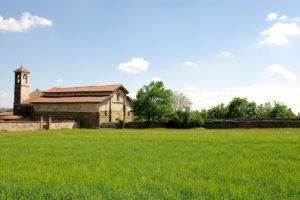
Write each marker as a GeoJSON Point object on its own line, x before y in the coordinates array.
{"type": "Point", "coordinates": [91, 106]}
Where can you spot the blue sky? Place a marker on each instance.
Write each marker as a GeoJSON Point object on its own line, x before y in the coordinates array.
{"type": "Point", "coordinates": [210, 50]}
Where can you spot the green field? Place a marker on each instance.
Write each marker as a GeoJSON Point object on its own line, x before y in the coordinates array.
{"type": "Point", "coordinates": [150, 164]}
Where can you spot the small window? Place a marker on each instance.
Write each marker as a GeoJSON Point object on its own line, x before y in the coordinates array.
{"type": "Point", "coordinates": [118, 97]}
{"type": "Point", "coordinates": [129, 113]}
{"type": "Point", "coordinates": [25, 78]}
{"type": "Point", "coordinates": [19, 79]}
{"type": "Point", "coordinates": [105, 113]}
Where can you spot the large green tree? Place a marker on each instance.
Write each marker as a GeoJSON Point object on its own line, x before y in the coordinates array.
{"type": "Point", "coordinates": [217, 112]}
{"type": "Point", "coordinates": [241, 108]}
{"type": "Point", "coordinates": [281, 111]}
{"type": "Point", "coordinates": [153, 102]}
{"type": "Point", "coordinates": [264, 110]}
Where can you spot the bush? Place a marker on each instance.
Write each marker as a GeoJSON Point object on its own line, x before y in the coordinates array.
{"type": "Point", "coordinates": [185, 119]}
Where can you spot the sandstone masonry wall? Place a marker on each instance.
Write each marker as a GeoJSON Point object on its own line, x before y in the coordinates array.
{"type": "Point", "coordinates": [19, 126]}
{"type": "Point", "coordinates": [85, 119]}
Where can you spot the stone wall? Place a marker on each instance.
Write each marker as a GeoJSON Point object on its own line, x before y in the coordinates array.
{"type": "Point", "coordinates": [85, 119]}
{"type": "Point", "coordinates": [36, 125]}
{"type": "Point", "coordinates": [64, 125]}
{"type": "Point", "coordinates": [20, 126]}
{"type": "Point", "coordinates": [252, 123]}
{"type": "Point", "coordinates": [134, 125]}
{"type": "Point", "coordinates": [66, 107]}
{"type": "Point", "coordinates": [104, 117]}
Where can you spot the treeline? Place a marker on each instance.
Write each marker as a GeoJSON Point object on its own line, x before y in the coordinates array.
{"type": "Point", "coordinates": [241, 108]}
{"type": "Point", "coordinates": [155, 103]}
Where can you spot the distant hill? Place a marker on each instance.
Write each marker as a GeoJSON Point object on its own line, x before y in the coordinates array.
{"type": "Point", "coordinates": [2, 110]}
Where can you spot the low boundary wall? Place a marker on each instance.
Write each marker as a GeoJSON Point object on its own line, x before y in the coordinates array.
{"type": "Point", "coordinates": [136, 125]}
{"type": "Point", "coordinates": [37, 125]}
{"type": "Point", "coordinates": [252, 123]}
{"type": "Point", "coordinates": [20, 126]}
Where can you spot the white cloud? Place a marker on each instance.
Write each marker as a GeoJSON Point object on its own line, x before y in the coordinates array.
{"type": "Point", "coordinates": [26, 22]}
{"type": "Point", "coordinates": [283, 17]}
{"type": "Point", "coordinates": [190, 89]}
{"type": "Point", "coordinates": [4, 94]}
{"type": "Point", "coordinates": [226, 54]}
{"type": "Point", "coordinates": [132, 95]}
{"type": "Point", "coordinates": [279, 32]}
{"type": "Point", "coordinates": [272, 16]}
{"type": "Point", "coordinates": [190, 64]}
{"type": "Point", "coordinates": [134, 66]}
{"type": "Point", "coordinates": [59, 80]}
{"type": "Point", "coordinates": [279, 72]}
{"type": "Point", "coordinates": [296, 19]}
{"type": "Point", "coordinates": [156, 79]}
{"type": "Point", "coordinates": [289, 95]}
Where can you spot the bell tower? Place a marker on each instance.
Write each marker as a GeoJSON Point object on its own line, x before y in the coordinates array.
{"type": "Point", "coordinates": [22, 77]}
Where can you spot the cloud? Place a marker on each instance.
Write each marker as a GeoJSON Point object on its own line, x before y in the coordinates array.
{"type": "Point", "coordinates": [190, 64]}
{"type": "Point", "coordinates": [279, 72]}
{"type": "Point", "coordinates": [59, 80]}
{"type": "Point", "coordinates": [190, 89]}
{"type": "Point", "coordinates": [4, 94]}
{"type": "Point", "coordinates": [134, 66]}
{"type": "Point", "coordinates": [226, 53]}
{"type": "Point", "coordinates": [279, 32]}
{"type": "Point", "coordinates": [132, 95]}
{"type": "Point", "coordinates": [272, 16]}
{"type": "Point", "coordinates": [283, 17]}
{"type": "Point", "coordinates": [26, 22]}
{"type": "Point", "coordinates": [156, 79]}
{"type": "Point", "coordinates": [275, 16]}
{"type": "Point", "coordinates": [296, 19]}
{"type": "Point", "coordinates": [289, 95]}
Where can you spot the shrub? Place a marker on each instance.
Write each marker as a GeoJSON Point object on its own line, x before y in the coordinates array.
{"type": "Point", "coordinates": [185, 119]}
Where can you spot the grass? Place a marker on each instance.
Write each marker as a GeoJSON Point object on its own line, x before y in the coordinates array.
{"type": "Point", "coordinates": [150, 164]}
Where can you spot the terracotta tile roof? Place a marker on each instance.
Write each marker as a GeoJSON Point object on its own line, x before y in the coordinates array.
{"type": "Point", "coordinates": [12, 117]}
{"type": "Point", "coordinates": [70, 99]}
{"type": "Point", "coordinates": [5, 114]}
{"type": "Point", "coordinates": [105, 88]}
{"type": "Point", "coordinates": [33, 95]}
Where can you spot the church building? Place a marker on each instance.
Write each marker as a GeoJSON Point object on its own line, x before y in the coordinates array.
{"type": "Point", "coordinates": [91, 106]}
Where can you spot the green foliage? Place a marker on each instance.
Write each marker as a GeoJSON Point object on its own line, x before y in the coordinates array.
{"type": "Point", "coordinates": [281, 111]}
{"type": "Point", "coordinates": [241, 108]}
{"type": "Point", "coordinates": [264, 110]}
{"type": "Point", "coordinates": [150, 164]}
{"type": "Point", "coordinates": [153, 102]}
{"type": "Point", "coordinates": [217, 112]}
{"type": "Point", "coordinates": [185, 119]}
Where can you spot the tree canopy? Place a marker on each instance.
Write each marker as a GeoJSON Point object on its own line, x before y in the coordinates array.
{"type": "Point", "coordinates": [153, 102]}
{"type": "Point", "coordinates": [180, 102]}
{"type": "Point", "coordinates": [242, 108]}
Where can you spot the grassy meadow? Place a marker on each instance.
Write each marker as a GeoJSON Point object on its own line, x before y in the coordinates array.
{"type": "Point", "coordinates": [150, 164]}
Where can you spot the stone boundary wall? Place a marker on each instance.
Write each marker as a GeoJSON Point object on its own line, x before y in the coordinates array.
{"type": "Point", "coordinates": [252, 123]}
{"type": "Point", "coordinates": [37, 125]}
{"type": "Point", "coordinates": [20, 126]}
{"type": "Point", "coordinates": [134, 125]}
